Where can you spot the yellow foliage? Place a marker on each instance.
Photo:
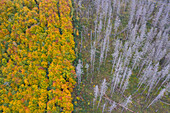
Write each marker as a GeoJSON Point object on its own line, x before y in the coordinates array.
{"type": "Point", "coordinates": [37, 56]}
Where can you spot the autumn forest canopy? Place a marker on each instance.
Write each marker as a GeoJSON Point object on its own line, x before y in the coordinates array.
{"type": "Point", "coordinates": [84, 56]}
{"type": "Point", "coordinates": [37, 52]}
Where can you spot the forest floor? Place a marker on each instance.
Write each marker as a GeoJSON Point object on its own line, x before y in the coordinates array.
{"type": "Point", "coordinates": [84, 93]}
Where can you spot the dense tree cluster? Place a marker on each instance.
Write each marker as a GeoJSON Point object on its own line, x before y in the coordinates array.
{"type": "Point", "coordinates": [36, 55]}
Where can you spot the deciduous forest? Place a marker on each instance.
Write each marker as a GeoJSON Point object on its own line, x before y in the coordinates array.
{"type": "Point", "coordinates": [84, 56]}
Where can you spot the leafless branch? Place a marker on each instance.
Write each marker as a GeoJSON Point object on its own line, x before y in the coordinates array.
{"type": "Point", "coordinates": [106, 97]}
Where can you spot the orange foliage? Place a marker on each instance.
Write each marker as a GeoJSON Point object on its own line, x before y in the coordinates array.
{"type": "Point", "coordinates": [37, 52]}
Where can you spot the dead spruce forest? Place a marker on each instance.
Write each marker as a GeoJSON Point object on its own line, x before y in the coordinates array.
{"type": "Point", "coordinates": [84, 56]}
